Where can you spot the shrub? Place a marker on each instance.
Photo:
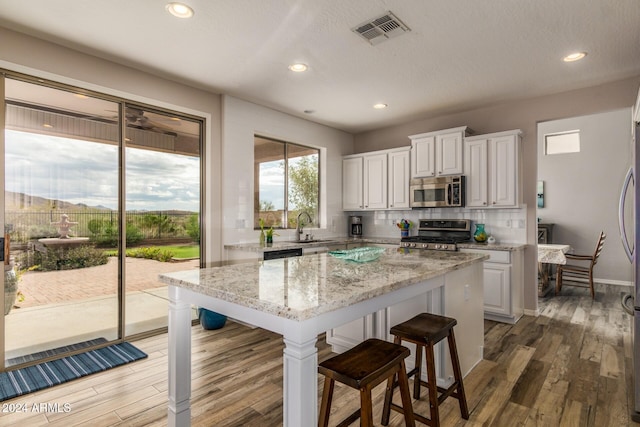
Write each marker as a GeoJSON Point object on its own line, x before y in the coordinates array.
{"type": "Point", "coordinates": [106, 233]}
{"type": "Point", "coordinates": [65, 259]}
{"type": "Point", "coordinates": [152, 252]}
{"type": "Point", "coordinates": [193, 227]}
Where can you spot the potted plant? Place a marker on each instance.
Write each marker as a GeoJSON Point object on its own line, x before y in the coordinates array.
{"type": "Point", "coordinates": [11, 292]}
{"type": "Point", "coordinates": [210, 319]}
{"type": "Point", "coordinates": [269, 233]}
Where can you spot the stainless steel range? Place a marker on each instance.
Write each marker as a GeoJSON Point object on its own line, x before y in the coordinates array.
{"type": "Point", "coordinates": [439, 234]}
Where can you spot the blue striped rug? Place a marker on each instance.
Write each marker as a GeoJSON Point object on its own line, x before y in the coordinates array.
{"type": "Point", "coordinates": [47, 374]}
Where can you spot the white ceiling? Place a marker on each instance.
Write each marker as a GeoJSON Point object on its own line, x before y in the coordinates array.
{"type": "Point", "coordinates": [459, 54]}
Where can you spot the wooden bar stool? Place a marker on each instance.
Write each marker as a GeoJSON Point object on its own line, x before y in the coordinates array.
{"type": "Point", "coordinates": [364, 367]}
{"type": "Point", "coordinates": [425, 331]}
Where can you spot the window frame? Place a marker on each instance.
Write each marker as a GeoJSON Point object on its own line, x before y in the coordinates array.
{"type": "Point", "coordinates": [286, 210]}
{"type": "Point", "coordinates": [549, 139]}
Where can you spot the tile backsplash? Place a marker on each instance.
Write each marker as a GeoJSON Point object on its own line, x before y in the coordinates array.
{"type": "Point", "coordinates": [506, 225]}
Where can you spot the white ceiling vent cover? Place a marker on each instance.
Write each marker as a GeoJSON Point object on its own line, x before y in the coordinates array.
{"type": "Point", "coordinates": [380, 29]}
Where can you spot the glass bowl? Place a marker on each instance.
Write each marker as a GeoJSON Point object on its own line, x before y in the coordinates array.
{"type": "Point", "coordinates": [365, 254]}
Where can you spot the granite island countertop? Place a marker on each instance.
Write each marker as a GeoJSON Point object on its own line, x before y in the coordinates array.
{"type": "Point", "coordinates": [300, 288]}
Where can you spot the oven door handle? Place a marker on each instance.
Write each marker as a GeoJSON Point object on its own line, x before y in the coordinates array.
{"type": "Point", "coordinates": [449, 194]}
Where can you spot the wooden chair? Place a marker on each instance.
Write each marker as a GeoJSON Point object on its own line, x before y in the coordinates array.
{"type": "Point", "coordinates": [571, 272]}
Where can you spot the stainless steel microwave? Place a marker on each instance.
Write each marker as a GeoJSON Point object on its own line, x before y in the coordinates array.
{"type": "Point", "coordinates": [440, 192]}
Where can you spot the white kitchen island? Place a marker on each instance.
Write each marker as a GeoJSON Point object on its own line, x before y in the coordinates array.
{"type": "Point", "coordinates": [301, 297]}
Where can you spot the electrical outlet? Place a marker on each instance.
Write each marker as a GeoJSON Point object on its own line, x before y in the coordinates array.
{"type": "Point", "coordinates": [466, 293]}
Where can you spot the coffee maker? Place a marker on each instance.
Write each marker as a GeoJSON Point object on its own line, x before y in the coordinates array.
{"type": "Point", "coordinates": [355, 226]}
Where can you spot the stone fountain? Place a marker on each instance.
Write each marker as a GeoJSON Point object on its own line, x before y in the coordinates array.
{"type": "Point", "coordinates": [63, 241]}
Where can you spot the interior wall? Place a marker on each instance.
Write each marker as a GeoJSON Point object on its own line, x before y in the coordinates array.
{"type": "Point", "coordinates": [29, 55]}
{"type": "Point", "coordinates": [581, 190]}
{"type": "Point", "coordinates": [521, 114]}
{"type": "Point", "coordinates": [241, 121]}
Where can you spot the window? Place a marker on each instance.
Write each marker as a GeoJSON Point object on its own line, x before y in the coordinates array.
{"type": "Point", "coordinates": [562, 142]}
{"type": "Point", "coordinates": [286, 183]}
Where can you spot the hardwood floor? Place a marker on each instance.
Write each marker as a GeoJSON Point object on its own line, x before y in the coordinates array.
{"type": "Point", "coordinates": [569, 366]}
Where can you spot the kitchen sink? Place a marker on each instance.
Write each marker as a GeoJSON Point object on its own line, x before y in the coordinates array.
{"type": "Point", "coordinates": [313, 241]}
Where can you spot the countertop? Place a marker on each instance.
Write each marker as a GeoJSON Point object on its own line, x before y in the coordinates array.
{"type": "Point", "coordinates": [290, 244]}
{"type": "Point", "coordinates": [511, 247]}
{"type": "Point", "coordinates": [278, 245]}
{"type": "Point", "coordinates": [300, 288]}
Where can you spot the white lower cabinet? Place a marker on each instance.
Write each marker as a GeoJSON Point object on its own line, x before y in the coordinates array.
{"type": "Point", "coordinates": [457, 294]}
{"type": "Point", "coordinates": [503, 285]}
{"type": "Point", "coordinates": [351, 334]}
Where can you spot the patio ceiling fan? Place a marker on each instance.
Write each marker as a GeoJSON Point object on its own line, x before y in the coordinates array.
{"type": "Point", "coordinates": [138, 118]}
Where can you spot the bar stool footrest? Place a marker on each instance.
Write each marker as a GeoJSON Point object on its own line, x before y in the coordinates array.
{"type": "Point", "coordinates": [417, 417]}
{"type": "Point", "coordinates": [350, 419]}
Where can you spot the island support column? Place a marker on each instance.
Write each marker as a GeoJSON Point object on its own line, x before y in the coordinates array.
{"type": "Point", "coordinates": [300, 396]}
{"type": "Point", "coordinates": [179, 412]}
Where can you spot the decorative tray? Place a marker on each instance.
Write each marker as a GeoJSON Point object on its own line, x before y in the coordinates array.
{"type": "Point", "coordinates": [365, 254]}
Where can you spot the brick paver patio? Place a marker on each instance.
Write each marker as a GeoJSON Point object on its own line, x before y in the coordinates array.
{"type": "Point", "coordinates": [51, 287]}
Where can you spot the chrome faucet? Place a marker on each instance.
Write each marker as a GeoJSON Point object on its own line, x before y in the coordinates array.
{"type": "Point", "coordinates": [298, 226]}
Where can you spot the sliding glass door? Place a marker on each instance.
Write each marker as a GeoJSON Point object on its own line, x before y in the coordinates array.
{"type": "Point", "coordinates": [162, 210]}
{"type": "Point", "coordinates": [100, 196]}
{"type": "Point", "coordinates": [61, 161]}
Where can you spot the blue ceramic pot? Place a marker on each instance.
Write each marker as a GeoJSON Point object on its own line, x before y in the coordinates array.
{"type": "Point", "coordinates": [210, 319]}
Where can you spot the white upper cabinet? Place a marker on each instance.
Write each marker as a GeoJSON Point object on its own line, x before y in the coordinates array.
{"type": "Point", "coordinates": [437, 153]}
{"type": "Point", "coordinates": [352, 196]}
{"type": "Point", "coordinates": [423, 156]}
{"type": "Point", "coordinates": [492, 168]}
{"type": "Point", "coordinates": [449, 153]}
{"type": "Point", "coordinates": [476, 169]}
{"type": "Point", "coordinates": [377, 180]}
{"type": "Point", "coordinates": [398, 179]}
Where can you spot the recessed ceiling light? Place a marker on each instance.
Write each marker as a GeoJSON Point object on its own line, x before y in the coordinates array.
{"type": "Point", "coordinates": [179, 10]}
{"type": "Point", "coordinates": [47, 125]}
{"type": "Point", "coordinates": [574, 56]}
{"type": "Point", "coordinates": [80, 95]}
{"type": "Point", "coordinates": [379, 106]}
{"type": "Point", "coordinates": [298, 68]}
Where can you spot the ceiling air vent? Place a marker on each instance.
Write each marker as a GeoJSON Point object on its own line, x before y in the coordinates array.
{"type": "Point", "coordinates": [380, 29]}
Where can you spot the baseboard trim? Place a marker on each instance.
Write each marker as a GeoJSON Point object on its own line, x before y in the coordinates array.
{"type": "Point", "coordinates": [605, 282]}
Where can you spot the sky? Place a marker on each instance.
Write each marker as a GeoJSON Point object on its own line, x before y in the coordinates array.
{"type": "Point", "coordinates": [272, 183]}
{"type": "Point", "coordinates": [87, 172]}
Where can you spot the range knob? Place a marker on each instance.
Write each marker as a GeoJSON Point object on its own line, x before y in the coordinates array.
{"type": "Point", "coordinates": [437, 246]}
{"type": "Point", "coordinates": [444, 247]}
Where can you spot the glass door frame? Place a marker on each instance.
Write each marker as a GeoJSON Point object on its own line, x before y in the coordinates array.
{"type": "Point", "coordinates": [121, 291]}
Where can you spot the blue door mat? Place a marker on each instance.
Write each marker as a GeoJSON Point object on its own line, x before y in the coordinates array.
{"type": "Point", "coordinates": [33, 378]}
{"type": "Point", "coordinates": [53, 352]}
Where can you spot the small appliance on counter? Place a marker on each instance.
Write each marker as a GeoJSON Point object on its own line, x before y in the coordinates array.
{"type": "Point", "coordinates": [355, 226]}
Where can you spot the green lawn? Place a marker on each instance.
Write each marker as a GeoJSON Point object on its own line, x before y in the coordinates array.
{"type": "Point", "coordinates": [179, 251]}
{"type": "Point", "coordinates": [191, 251]}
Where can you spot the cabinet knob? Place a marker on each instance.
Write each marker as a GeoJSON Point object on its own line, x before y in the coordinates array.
{"type": "Point", "coordinates": [494, 202]}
